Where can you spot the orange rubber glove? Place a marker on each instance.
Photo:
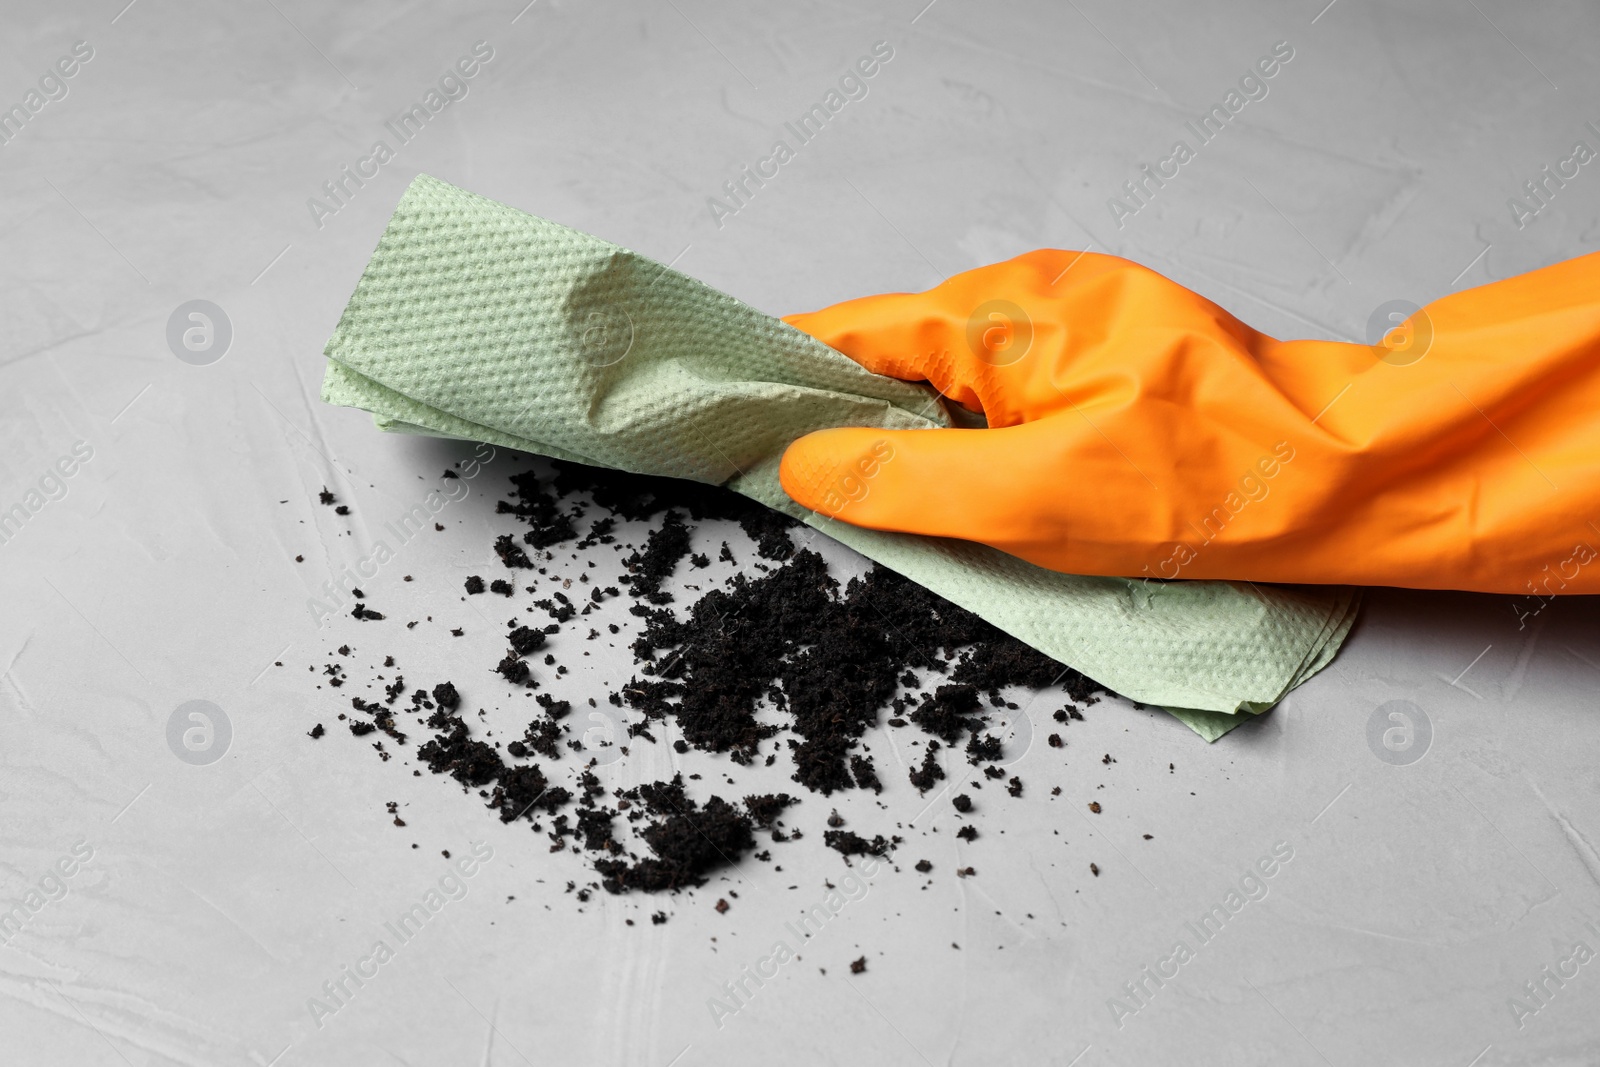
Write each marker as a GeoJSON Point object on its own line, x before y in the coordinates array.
{"type": "Point", "coordinates": [1137, 429]}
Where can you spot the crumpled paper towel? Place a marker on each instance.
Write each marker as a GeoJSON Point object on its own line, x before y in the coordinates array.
{"type": "Point", "coordinates": [474, 320]}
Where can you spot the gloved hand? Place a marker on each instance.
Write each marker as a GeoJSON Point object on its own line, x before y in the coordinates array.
{"type": "Point", "coordinates": [1137, 429]}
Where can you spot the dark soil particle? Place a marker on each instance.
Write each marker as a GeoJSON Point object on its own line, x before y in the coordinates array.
{"type": "Point", "coordinates": [474, 584]}
{"type": "Point", "coordinates": [663, 549]}
{"type": "Point", "coordinates": [686, 844]}
{"type": "Point", "coordinates": [548, 523]}
{"type": "Point", "coordinates": [514, 669]}
{"type": "Point", "coordinates": [858, 966]}
{"type": "Point", "coordinates": [982, 748]}
{"type": "Point", "coordinates": [594, 827]}
{"type": "Point", "coordinates": [770, 531]}
{"type": "Point", "coordinates": [556, 709]}
{"type": "Point", "coordinates": [510, 554]}
{"type": "Point", "coordinates": [947, 712]}
{"type": "Point", "coordinates": [930, 772]}
{"type": "Point", "coordinates": [866, 777]}
{"type": "Point", "coordinates": [525, 639]}
{"type": "Point", "coordinates": [850, 843]}
{"type": "Point", "coordinates": [470, 762]}
{"type": "Point", "coordinates": [766, 809]}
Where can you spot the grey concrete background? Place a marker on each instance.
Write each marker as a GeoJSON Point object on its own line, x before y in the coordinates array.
{"type": "Point", "coordinates": [178, 162]}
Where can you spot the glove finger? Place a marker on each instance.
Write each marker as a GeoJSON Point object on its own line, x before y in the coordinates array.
{"type": "Point", "coordinates": [990, 339]}
{"type": "Point", "coordinates": [970, 484]}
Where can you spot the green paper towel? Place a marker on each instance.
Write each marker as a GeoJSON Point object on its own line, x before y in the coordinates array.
{"type": "Point", "coordinates": [477, 321]}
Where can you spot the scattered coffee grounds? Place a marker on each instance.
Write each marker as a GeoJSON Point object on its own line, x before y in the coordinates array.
{"type": "Point", "coordinates": [770, 531]}
{"type": "Point", "coordinates": [850, 843]}
{"type": "Point", "coordinates": [925, 776]}
{"type": "Point", "coordinates": [766, 809]}
{"type": "Point", "coordinates": [857, 966]}
{"type": "Point", "coordinates": [514, 669]}
{"type": "Point", "coordinates": [946, 713]}
{"type": "Point", "coordinates": [784, 665]}
{"type": "Point", "coordinates": [687, 840]}
{"type": "Point", "coordinates": [472, 763]}
{"type": "Point", "coordinates": [510, 554]}
{"type": "Point", "coordinates": [525, 639]}
{"type": "Point", "coordinates": [866, 776]}
{"type": "Point", "coordinates": [663, 549]}
{"type": "Point", "coordinates": [540, 509]}
{"type": "Point", "coordinates": [833, 662]}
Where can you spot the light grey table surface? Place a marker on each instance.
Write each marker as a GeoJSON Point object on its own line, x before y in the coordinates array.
{"type": "Point", "coordinates": [180, 162]}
